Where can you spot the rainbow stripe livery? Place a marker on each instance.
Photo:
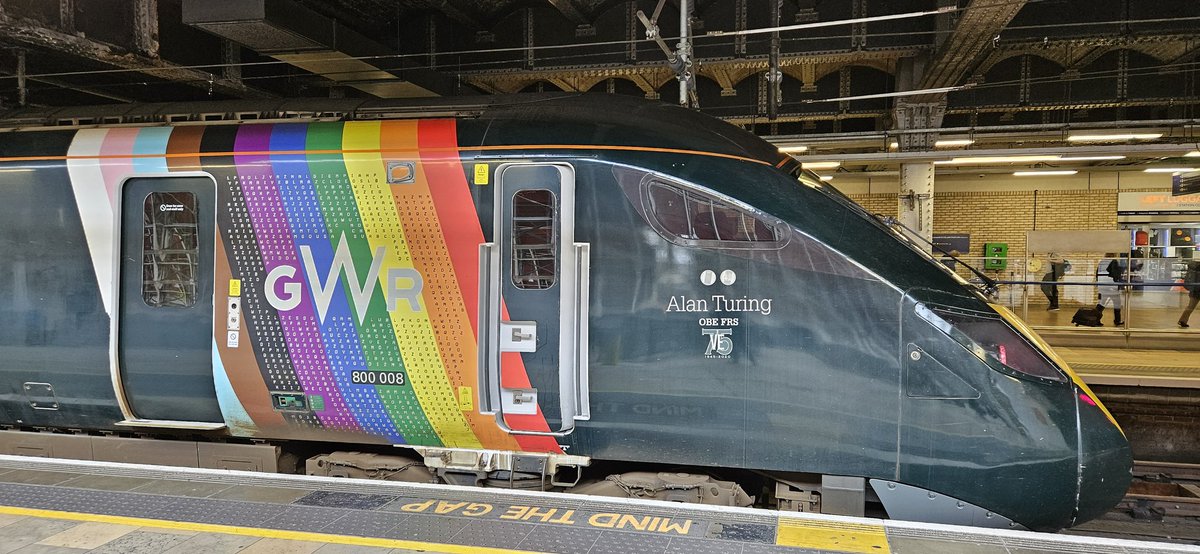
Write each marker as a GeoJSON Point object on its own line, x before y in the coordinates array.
{"type": "Point", "coordinates": [316, 195]}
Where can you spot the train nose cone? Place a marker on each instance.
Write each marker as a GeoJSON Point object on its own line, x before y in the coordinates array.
{"type": "Point", "coordinates": [1105, 460]}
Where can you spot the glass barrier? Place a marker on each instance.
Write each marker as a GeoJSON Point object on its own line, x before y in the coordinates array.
{"type": "Point", "coordinates": [1150, 293]}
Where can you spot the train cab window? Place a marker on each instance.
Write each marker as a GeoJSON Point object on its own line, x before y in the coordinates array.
{"type": "Point", "coordinates": [990, 339]}
{"type": "Point", "coordinates": [691, 216]}
{"type": "Point", "coordinates": [534, 239]}
{"type": "Point", "coordinates": [170, 249]}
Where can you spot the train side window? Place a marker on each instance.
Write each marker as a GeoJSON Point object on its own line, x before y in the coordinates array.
{"type": "Point", "coordinates": [170, 249]}
{"type": "Point", "coordinates": [704, 218]}
{"type": "Point", "coordinates": [694, 217]}
{"type": "Point", "coordinates": [534, 239]}
{"type": "Point", "coordinates": [670, 209]}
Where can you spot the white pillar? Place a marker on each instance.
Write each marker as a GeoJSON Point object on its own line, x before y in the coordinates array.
{"type": "Point", "coordinates": [915, 207]}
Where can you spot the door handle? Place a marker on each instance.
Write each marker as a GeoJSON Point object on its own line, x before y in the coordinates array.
{"type": "Point", "coordinates": [488, 358]}
{"type": "Point", "coordinates": [583, 272]}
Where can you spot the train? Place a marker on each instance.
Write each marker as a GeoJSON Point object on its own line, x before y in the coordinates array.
{"type": "Point", "coordinates": [512, 291]}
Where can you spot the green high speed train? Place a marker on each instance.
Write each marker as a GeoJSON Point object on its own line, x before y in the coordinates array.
{"type": "Point", "coordinates": [521, 291]}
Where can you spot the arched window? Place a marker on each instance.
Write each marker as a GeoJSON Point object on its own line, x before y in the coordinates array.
{"type": "Point", "coordinates": [694, 219]}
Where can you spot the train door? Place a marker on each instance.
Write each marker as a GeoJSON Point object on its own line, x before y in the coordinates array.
{"type": "Point", "coordinates": [164, 337]}
{"type": "Point", "coordinates": [533, 302]}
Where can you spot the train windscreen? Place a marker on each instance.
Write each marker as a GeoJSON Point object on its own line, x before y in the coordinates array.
{"type": "Point", "coordinates": [991, 340]}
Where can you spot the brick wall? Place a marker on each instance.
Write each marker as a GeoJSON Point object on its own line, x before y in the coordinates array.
{"type": "Point", "coordinates": [883, 204]}
{"type": "Point", "coordinates": [1005, 216]}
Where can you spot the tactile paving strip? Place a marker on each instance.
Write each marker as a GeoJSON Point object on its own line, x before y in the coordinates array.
{"type": "Point", "coordinates": [1125, 369]}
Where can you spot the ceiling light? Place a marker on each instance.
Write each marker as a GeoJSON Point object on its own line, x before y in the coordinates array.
{"type": "Point", "coordinates": [1089, 158]}
{"type": "Point", "coordinates": [998, 160]}
{"type": "Point", "coordinates": [1114, 138]}
{"type": "Point", "coordinates": [792, 149]}
{"type": "Point", "coordinates": [837, 22]}
{"type": "Point", "coordinates": [1170, 169]}
{"type": "Point", "coordinates": [953, 142]}
{"type": "Point", "coordinates": [1195, 154]}
{"type": "Point", "coordinates": [820, 165]}
{"type": "Point", "coordinates": [894, 145]}
{"type": "Point", "coordinates": [938, 90]}
{"type": "Point", "coordinates": [1045, 173]}
{"type": "Point", "coordinates": [827, 177]}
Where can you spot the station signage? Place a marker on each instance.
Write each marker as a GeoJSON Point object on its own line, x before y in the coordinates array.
{"type": "Point", "coordinates": [1185, 183]}
{"type": "Point", "coordinates": [1154, 203]}
{"type": "Point", "coordinates": [958, 244]}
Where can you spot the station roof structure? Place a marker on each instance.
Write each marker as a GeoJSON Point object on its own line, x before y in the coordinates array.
{"type": "Point", "coordinates": [997, 75]}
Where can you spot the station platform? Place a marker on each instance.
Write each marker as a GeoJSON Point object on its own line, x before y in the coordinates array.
{"type": "Point", "coordinates": [1134, 367]}
{"type": "Point", "coordinates": [1141, 316]}
{"type": "Point", "coordinates": [50, 505]}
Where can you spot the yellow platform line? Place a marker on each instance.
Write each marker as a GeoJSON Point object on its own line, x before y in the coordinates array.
{"type": "Point", "coordinates": [258, 532]}
{"type": "Point", "coordinates": [860, 538]}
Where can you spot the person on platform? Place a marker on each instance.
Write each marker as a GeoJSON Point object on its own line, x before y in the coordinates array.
{"type": "Point", "coordinates": [1109, 272]}
{"type": "Point", "coordinates": [947, 259]}
{"type": "Point", "coordinates": [1058, 268]}
{"type": "Point", "coordinates": [1191, 282]}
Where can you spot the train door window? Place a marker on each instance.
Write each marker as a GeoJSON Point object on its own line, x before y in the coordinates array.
{"type": "Point", "coordinates": [696, 219]}
{"type": "Point", "coordinates": [534, 239]}
{"type": "Point", "coordinates": [170, 249]}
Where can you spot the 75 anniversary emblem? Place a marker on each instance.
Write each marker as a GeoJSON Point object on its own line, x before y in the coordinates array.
{"type": "Point", "coordinates": [719, 343]}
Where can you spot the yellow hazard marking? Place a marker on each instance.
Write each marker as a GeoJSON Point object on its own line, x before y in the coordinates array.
{"type": "Point", "coordinates": [257, 532]}
{"type": "Point", "coordinates": [482, 172]}
{"type": "Point", "coordinates": [235, 287]}
{"type": "Point", "coordinates": [413, 329]}
{"type": "Point", "coordinates": [829, 535]}
{"type": "Point", "coordinates": [466, 399]}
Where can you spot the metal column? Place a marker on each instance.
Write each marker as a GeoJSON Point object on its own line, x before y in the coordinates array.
{"type": "Point", "coordinates": [915, 208]}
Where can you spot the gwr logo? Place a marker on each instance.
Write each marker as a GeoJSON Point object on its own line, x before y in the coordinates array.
{"type": "Point", "coordinates": [401, 283]}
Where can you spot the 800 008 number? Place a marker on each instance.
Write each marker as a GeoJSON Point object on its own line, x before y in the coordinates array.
{"type": "Point", "coordinates": [376, 377]}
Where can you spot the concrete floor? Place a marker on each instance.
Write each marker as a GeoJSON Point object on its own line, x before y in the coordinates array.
{"type": "Point", "coordinates": [34, 535]}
